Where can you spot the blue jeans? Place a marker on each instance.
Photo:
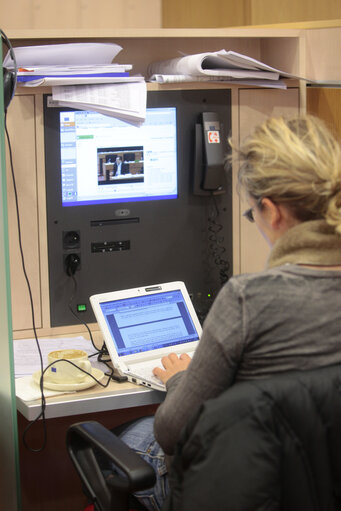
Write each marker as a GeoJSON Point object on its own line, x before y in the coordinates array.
{"type": "Point", "coordinates": [139, 436]}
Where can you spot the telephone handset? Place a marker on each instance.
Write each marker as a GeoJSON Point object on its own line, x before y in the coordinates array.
{"type": "Point", "coordinates": [209, 175]}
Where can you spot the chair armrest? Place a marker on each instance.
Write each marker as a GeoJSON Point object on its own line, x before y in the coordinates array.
{"type": "Point", "coordinates": [83, 440]}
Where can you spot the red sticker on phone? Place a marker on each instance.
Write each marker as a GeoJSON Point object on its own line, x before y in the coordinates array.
{"type": "Point", "coordinates": [213, 137]}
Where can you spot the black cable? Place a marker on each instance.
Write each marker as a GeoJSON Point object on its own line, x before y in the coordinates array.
{"type": "Point", "coordinates": [216, 246]}
{"type": "Point", "coordinates": [42, 413]}
{"type": "Point", "coordinates": [100, 353]}
{"type": "Point", "coordinates": [72, 277]}
{"type": "Point", "coordinates": [43, 400]}
{"type": "Point", "coordinates": [104, 385]}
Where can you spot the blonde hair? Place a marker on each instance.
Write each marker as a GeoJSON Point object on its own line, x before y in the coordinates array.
{"type": "Point", "coordinates": [296, 162]}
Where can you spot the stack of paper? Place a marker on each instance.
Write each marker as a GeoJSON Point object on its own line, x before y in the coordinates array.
{"type": "Point", "coordinates": [227, 66]}
{"type": "Point", "coordinates": [85, 54]}
{"type": "Point", "coordinates": [83, 76]}
{"type": "Point", "coordinates": [34, 76]}
{"type": "Point", "coordinates": [72, 63]}
{"type": "Point", "coordinates": [126, 101]}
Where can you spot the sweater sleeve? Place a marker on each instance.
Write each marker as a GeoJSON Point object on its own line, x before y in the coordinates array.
{"type": "Point", "coordinates": [211, 370]}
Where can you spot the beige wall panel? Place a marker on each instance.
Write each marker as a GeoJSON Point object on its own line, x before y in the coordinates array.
{"type": "Point", "coordinates": [121, 14]}
{"type": "Point", "coordinates": [229, 13]}
{"type": "Point", "coordinates": [277, 11]}
{"type": "Point", "coordinates": [41, 191]}
{"type": "Point", "coordinates": [286, 54]}
{"type": "Point", "coordinates": [22, 135]}
{"type": "Point", "coordinates": [18, 14]}
{"type": "Point", "coordinates": [45, 14]}
{"type": "Point", "coordinates": [254, 107]}
{"type": "Point", "coordinates": [200, 13]}
{"type": "Point", "coordinates": [326, 104]}
{"type": "Point", "coordinates": [323, 54]}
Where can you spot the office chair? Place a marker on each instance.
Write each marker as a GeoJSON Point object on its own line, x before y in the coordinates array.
{"type": "Point", "coordinates": [272, 444]}
{"type": "Point", "coordinates": [114, 493]}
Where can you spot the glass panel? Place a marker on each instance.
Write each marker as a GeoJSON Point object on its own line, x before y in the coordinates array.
{"type": "Point", "coordinates": [9, 466]}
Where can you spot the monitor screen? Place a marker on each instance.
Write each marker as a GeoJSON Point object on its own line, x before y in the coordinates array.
{"type": "Point", "coordinates": [105, 160]}
{"type": "Point", "coordinates": [150, 322]}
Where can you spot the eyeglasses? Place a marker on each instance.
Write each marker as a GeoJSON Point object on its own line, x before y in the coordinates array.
{"type": "Point", "coordinates": [249, 215]}
{"type": "Point", "coordinates": [249, 212]}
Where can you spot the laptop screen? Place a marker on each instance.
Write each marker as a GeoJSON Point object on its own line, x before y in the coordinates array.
{"type": "Point", "coordinates": [149, 322]}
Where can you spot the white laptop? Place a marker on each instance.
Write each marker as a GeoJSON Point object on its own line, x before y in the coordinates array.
{"type": "Point", "coordinates": [143, 324]}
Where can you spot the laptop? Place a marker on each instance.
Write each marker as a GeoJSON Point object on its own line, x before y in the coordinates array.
{"type": "Point", "coordinates": [143, 324]}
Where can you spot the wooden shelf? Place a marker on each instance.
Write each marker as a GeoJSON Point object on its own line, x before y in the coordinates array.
{"type": "Point", "coordinates": [284, 49]}
{"type": "Point", "coordinates": [65, 34]}
{"type": "Point", "coordinates": [280, 49]}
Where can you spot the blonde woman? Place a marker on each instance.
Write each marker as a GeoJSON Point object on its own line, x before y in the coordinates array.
{"type": "Point", "coordinates": [284, 318]}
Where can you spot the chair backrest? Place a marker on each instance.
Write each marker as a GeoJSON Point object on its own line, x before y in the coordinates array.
{"type": "Point", "coordinates": [272, 445]}
{"type": "Point", "coordinates": [264, 445]}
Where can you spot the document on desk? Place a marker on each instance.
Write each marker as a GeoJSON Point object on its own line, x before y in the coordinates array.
{"type": "Point", "coordinates": [27, 362]}
{"type": "Point", "coordinates": [26, 355]}
{"type": "Point", "coordinates": [126, 101]}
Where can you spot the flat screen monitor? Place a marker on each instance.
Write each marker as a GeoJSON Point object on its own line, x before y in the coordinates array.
{"type": "Point", "coordinates": [105, 160]}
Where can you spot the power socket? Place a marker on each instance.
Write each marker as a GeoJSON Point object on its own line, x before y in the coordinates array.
{"type": "Point", "coordinates": [72, 264]}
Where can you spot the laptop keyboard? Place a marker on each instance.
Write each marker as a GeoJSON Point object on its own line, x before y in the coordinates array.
{"type": "Point", "coordinates": [145, 369]}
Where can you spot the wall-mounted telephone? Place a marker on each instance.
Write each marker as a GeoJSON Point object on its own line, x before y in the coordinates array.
{"type": "Point", "coordinates": [210, 151]}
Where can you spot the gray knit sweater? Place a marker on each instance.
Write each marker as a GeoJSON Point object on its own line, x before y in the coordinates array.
{"type": "Point", "coordinates": [285, 318]}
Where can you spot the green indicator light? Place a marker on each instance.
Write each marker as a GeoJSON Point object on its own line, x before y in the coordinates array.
{"type": "Point", "coordinates": [81, 307]}
{"type": "Point", "coordinates": [209, 295]}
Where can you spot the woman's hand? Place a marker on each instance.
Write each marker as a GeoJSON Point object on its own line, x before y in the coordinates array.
{"type": "Point", "coordinates": [172, 364]}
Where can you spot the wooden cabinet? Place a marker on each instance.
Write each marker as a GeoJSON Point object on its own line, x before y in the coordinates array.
{"type": "Point", "coordinates": [284, 49]}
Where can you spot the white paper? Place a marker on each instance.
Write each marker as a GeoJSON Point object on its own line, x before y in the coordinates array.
{"type": "Point", "coordinates": [204, 63]}
{"type": "Point", "coordinates": [122, 100]}
{"type": "Point", "coordinates": [75, 69]}
{"type": "Point", "coordinates": [27, 390]}
{"type": "Point", "coordinates": [241, 73]}
{"type": "Point", "coordinates": [243, 61]}
{"type": "Point", "coordinates": [275, 84]}
{"type": "Point", "coordinates": [26, 355]}
{"type": "Point", "coordinates": [63, 54]}
{"type": "Point", "coordinates": [222, 62]}
{"type": "Point", "coordinates": [86, 80]}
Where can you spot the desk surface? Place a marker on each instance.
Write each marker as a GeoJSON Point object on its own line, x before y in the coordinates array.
{"type": "Point", "coordinates": [115, 397]}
